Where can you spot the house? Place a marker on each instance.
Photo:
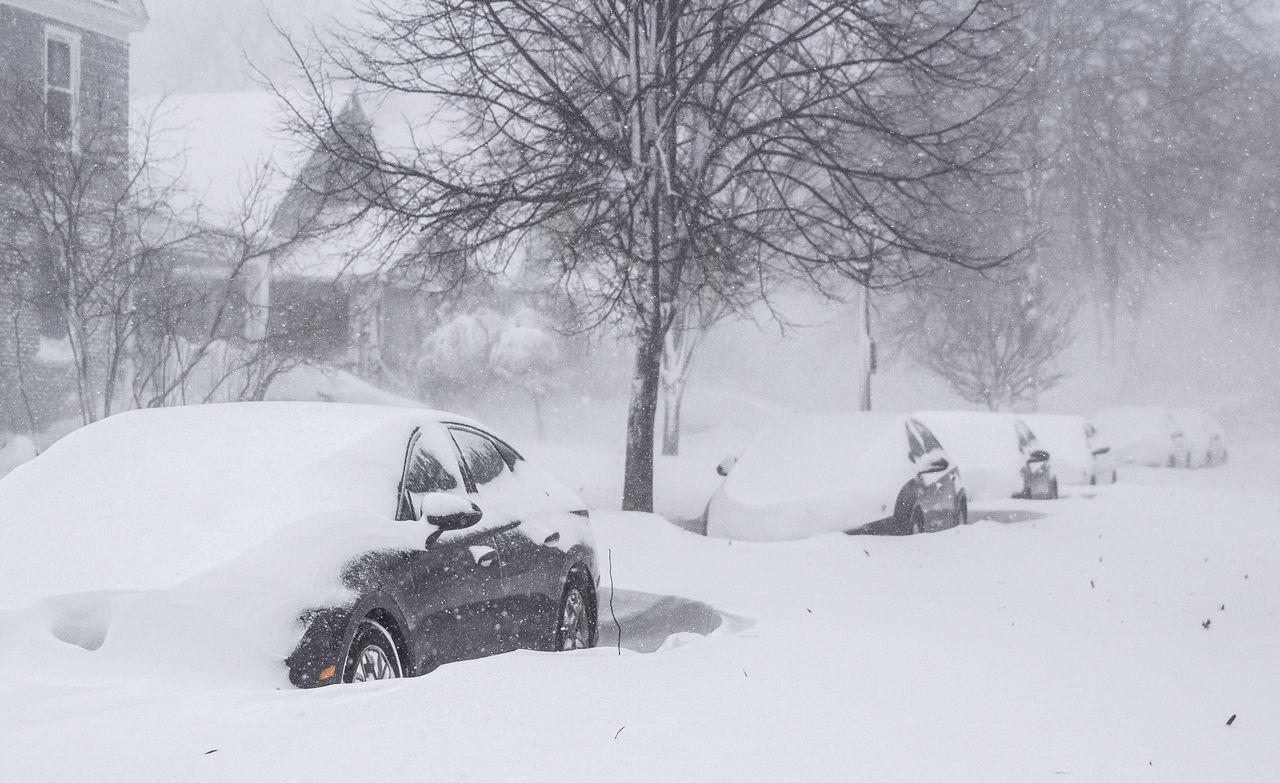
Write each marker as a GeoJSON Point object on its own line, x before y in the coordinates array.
{"type": "Point", "coordinates": [313, 265]}
{"type": "Point", "coordinates": [64, 85]}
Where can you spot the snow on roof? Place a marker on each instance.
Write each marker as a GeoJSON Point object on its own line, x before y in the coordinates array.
{"type": "Point", "coordinates": [227, 140]}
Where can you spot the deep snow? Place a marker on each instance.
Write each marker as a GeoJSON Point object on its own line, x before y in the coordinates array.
{"type": "Point", "coordinates": [1021, 648]}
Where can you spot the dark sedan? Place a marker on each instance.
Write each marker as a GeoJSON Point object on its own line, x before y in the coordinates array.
{"type": "Point", "coordinates": [354, 543]}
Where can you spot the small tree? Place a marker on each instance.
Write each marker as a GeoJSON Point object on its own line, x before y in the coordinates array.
{"type": "Point", "coordinates": [995, 342]}
{"type": "Point", "coordinates": [528, 357]}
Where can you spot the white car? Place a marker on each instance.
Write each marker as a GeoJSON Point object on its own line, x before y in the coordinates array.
{"type": "Point", "coordinates": [1079, 454]}
{"type": "Point", "coordinates": [1203, 438]}
{"type": "Point", "coordinates": [1000, 455]}
{"type": "Point", "coordinates": [1144, 435]}
{"type": "Point", "coordinates": [840, 471]}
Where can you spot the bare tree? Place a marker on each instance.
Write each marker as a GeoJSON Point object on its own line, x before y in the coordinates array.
{"type": "Point", "coordinates": [996, 342]}
{"type": "Point", "coordinates": [632, 134]}
{"type": "Point", "coordinates": [87, 213]}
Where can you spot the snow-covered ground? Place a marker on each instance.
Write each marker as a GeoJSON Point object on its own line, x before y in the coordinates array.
{"type": "Point", "coordinates": [1106, 636]}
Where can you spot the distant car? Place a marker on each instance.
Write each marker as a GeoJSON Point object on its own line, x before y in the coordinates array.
{"type": "Point", "coordinates": [1203, 438]}
{"type": "Point", "coordinates": [1079, 454]}
{"type": "Point", "coordinates": [1144, 435]}
{"type": "Point", "coordinates": [347, 542]}
{"type": "Point", "coordinates": [839, 471]}
{"type": "Point", "coordinates": [999, 454]}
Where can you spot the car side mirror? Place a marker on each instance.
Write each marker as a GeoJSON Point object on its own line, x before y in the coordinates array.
{"type": "Point", "coordinates": [936, 466]}
{"type": "Point", "coordinates": [446, 511]}
{"type": "Point", "coordinates": [1098, 452]}
{"type": "Point", "coordinates": [1039, 455]}
{"type": "Point", "coordinates": [726, 465]}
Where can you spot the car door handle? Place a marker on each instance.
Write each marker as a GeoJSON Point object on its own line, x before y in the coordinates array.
{"type": "Point", "coordinates": [485, 556]}
{"type": "Point", "coordinates": [551, 539]}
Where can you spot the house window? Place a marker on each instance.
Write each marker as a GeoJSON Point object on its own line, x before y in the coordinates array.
{"type": "Point", "coordinates": [61, 83]}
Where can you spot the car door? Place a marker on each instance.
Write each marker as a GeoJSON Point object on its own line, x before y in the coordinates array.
{"type": "Point", "coordinates": [527, 534]}
{"type": "Point", "coordinates": [457, 574]}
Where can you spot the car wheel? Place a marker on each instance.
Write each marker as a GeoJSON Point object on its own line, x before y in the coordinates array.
{"type": "Point", "coordinates": [373, 654]}
{"type": "Point", "coordinates": [576, 628]}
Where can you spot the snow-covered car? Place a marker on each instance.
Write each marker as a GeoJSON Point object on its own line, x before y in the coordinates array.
{"type": "Point", "coordinates": [1202, 438]}
{"type": "Point", "coordinates": [15, 450]}
{"type": "Point", "coordinates": [1144, 435]}
{"type": "Point", "coordinates": [999, 454]}
{"type": "Point", "coordinates": [1079, 454]}
{"type": "Point", "coordinates": [838, 471]}
{"type": "Point", "coordinates": [326, 542]}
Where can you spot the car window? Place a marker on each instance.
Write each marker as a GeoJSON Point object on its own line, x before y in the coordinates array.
{"type": "Point", "coordinates": [1026, 439]}
{"type": "Point", "coordinates": [926, 437]}
{"type": "Point", "coordinates": [482, 459]}
{"type": "Point", "coordinates": [915, 449]}
{"type": "Point", "coordinates": [423, 472]}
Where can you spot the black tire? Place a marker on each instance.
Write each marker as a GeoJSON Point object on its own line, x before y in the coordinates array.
{"type": "Point", "coordinates": [570, 632]}
{"type": "Point", "coordinates": [372, 646]}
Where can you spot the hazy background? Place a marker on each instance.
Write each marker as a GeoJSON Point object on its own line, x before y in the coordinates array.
{"type": "Point", "coordinates": [1207, 336]}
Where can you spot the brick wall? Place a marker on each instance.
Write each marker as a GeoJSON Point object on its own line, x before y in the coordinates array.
{"type": "Point", "coordinates": [36, 389]}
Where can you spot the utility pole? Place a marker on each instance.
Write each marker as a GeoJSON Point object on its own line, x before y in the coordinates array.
{"type": "Point", "coordinates": [866, 345]}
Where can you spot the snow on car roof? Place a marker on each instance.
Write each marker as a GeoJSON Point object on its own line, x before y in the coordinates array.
{"type": "Point", "coordinates": [810, 453]}
{"type": "Point", "coordinates": [145, 499]}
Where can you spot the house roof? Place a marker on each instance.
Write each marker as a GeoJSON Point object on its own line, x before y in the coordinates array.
{"type": "Point", "coordinates": [116, 18]}
{"type": "Point", "coordinates": [237, 161]}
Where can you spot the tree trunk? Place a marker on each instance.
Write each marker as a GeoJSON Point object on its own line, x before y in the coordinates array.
{"type": "Point", "coordinates": [537, 415]}
{"type": "Point", "coordinates": [637, 482]}
{"type": "Point", "coordinates": [672, 398]}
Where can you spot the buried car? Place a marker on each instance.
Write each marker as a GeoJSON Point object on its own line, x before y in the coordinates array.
{"type": "Point", "coordinates": [1079, 454]}
{"type": "Point", "coordinates": [1145, 435]}
{"type": "Point", "coordinates": [839, 471]}
{"type": "Point", "coordinates": [343, 542]}
{"type": "Point", "coordinates": [1203, 439]}
{"type": "Point", "coordinates": [999, 454]}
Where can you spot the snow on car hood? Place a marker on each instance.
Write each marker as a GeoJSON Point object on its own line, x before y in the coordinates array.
{"type": "Point", "coordinates": [148, 499]}
{"type": "Point", "coordinates": [813, 473]}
